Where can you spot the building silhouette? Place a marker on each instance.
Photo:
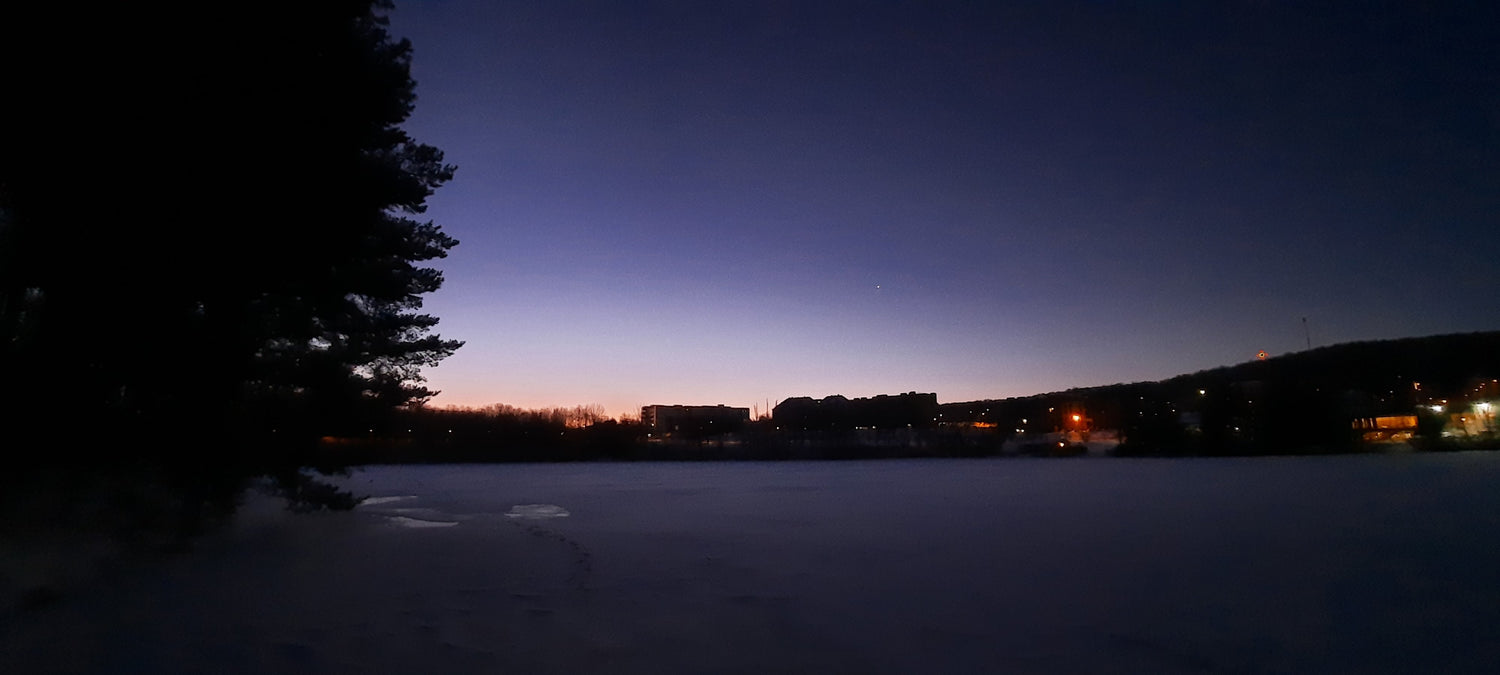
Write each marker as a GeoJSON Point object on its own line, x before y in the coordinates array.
{"type": "Point", "coordinates": [693, 420]}
{"type": "Point", "coordinates": [837, 413]}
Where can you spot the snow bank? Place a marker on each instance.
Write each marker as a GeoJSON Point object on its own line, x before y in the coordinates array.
{"type": "Point", "coordinates": [537, 511]}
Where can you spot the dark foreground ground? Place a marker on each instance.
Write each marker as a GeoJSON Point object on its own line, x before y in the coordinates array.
{"type": "Point", "coordinates": [1274, 565]}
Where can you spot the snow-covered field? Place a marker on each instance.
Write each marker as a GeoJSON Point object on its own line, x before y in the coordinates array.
{"type": "Point", "coordinates": [1336, 564]}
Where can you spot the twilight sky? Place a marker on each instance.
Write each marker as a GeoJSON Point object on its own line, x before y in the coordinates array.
{"type": "Point", "coordinates": [727, 202]}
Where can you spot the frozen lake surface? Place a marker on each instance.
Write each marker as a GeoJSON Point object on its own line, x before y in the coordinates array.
{"type": "Point", "coordinates": [1277, 565]}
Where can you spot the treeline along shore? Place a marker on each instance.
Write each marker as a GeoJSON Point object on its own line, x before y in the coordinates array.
{"type": "Point", "coordinates": [1430, 393]}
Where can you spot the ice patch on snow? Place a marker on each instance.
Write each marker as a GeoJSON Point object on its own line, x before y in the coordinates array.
{"type": "Point", "coordinates": [371, 501]}
{"type": "Point", "coordinates": [536, 511]}
{"type": "Point", "coordinates": [403, 521]}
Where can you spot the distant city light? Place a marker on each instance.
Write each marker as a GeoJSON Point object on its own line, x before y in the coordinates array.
{"type": "Point", "coordinates": [1436, 408]}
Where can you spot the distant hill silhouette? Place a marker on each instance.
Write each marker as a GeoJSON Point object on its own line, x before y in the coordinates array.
{"type": "Point", "coordinates": [1293, 402]}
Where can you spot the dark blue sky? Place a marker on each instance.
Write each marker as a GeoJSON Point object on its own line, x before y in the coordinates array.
{"type": "Point", "coordinates": [728, 202]}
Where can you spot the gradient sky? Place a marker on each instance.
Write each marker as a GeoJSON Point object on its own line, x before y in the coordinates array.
{"type": "Point", "coordinates": [728, 202]}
